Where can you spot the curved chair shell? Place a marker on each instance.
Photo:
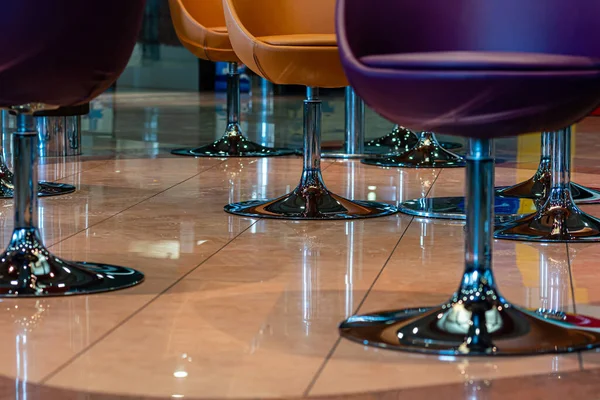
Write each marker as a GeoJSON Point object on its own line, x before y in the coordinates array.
{"type": "Point", "coordinates": [287, 42]}
{"type": "Point", "coordinates": [461, 72]}
{"type": "Point", "coordinates": [200, 27]}
{"type": "Point", "coordinates": [58, 55]}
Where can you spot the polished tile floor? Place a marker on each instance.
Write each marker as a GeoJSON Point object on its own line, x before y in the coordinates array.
{"type": "Point", "coordinates": [242, 308]}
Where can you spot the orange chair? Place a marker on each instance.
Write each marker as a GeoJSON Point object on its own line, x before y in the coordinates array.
{"type": "Point", "coordinates": [200, 26]}
{"type": "Point", "coordinates": [293, 42]}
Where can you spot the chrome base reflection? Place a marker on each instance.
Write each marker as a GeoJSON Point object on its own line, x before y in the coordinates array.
{"type": "Point", "coordinates": [535, 189]}
{"type": "Point", "coordinates": [45, 189]}
{"type": "Point", "coordinates": [28, 269]}
{"type": "Point", "coordinates": [311, 201]}
{"type": "Point", "coordinates": [558, 220]}
{"type": "Point", "coordinates": [448, 330]}
{"type": "Point", "coordinates": [505, 209]}
{"type": "Point", "coordinates": [427, 153]}
{"type": "Point", "coordinates": [233, 144]}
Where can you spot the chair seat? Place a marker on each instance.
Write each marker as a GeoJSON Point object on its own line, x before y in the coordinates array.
{"type": "Point", "coordinates": [300, 40]}
{"type": "Point", "coordinates": [480, 60]}
{"type": "Point", "coordinates": [219, 29]}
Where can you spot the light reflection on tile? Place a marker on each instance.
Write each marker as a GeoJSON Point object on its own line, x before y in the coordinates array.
{"type": "Point", "coordinates": [256, 310]}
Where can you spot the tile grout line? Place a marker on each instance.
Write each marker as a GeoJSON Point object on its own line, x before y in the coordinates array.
{"type": "Point", "coordinates": [58, 179]}
{"type": "Point", "coordinates": [124, 321]}
{"type": "Point", "coordinates": [572, 286]}
{"type": "Point", "coordinates": [339, 339]}
{"type": "Point", "coordinates": [139, 310]}
{"type": "Point", "coordinates": [134, 205]}
{"type": "Point", "coordinates": [80, 171]}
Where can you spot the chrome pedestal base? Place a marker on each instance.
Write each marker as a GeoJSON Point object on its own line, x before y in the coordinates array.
{"type": "Point", "coordinates": [427, 153]}
{"type": "Point", "coordinates": [399, 140]}
{"type": "Point", "coordinates": [451, 145]}
{"type": "Point", "coordinates": [477, 320]}
{"type": "Point", "coordinates": [532, 189]}
{"type": "Point", "coordinates": [559, 220]}
{"type": "Point", "coordinates": [506, 330]}
{"type": "Point", "coordinates": [45, 189]}
{"type": "Point", "coordinates": [539, 185]}
{"type": "Point", "coordinates": [28, 269]}
{"type": "Point", "coordinates": [233, 145]}
{"type": "Point", "coordinates": [505, 209]}
{"type": "Point", "coordinates": [311, 201]}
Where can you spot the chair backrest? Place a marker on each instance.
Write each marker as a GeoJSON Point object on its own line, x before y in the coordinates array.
{"type": "Point", "coordinates": [208, 13]}
{"type": "Point", "coordinates": [64, 52]}
{"type": "Point", "coordinates": [541, 26]}
{"type": "Point", "coordinates": [285, 17]}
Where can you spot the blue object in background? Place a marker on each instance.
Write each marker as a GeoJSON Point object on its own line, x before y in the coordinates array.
{"type": "Point", "coordinates": [503, 205]}
{"type": "Point", "coordinates": [221, 78]}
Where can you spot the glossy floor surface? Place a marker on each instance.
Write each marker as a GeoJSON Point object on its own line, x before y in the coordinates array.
{"type": "Point", "coordinates": [236, 307]}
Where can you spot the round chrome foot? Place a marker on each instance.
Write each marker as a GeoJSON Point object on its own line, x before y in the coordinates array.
{"type": "Point", "coordinates": [559, 220]}
{"type": "Point", "coordinates": [48, 189]}
{"type": "Point", "coordinates": [531, 189]}
{"type": "Point", "coordinates": [340, 155]}
{"type": "Point", "coordinates": [428, 153]}
{"type": "Point", "coordinates": [399, 140]}
{"type": "Point", "coordinates": [28, 269]}
{"type": "Point", "coordinates": [451, 145]}
{"type": "Point", "coordinates": [45, 189]}
{"type": "Point", "coordinates": [311, 201]}
{"type": "Point", "coordinates": [452, 329]}
{"type": "Point", "coordinates": [584, 195]}
{"type": "Point", "coordinates": [506, 209]}
{"type": "Point", "coordinates": [234, 146]}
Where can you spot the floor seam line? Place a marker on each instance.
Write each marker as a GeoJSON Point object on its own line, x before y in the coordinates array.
{"type": "Point", "coordinates": [136, 312]}
{"type": "Point", "coordinates": [76, 173]}
{"type": "Point", "coordinates": [134, 205]}
{"type": "Point", "coordinates": [572, 287]}
{"type": "Point", "coordinates": [317, 375]}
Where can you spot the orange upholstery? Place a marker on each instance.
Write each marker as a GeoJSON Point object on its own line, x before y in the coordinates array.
{"type": "Point", "coordinates": [300, 40]}
{"type": "Point", "coordinates": [289, 42]}
{"type": "Point", "coordinates": [200, 26]}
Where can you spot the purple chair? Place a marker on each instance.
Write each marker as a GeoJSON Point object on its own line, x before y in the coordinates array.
{"type": "Point", "coordinates": [480, 69]}
{"type": "Point", "coordinates": [56, 53]}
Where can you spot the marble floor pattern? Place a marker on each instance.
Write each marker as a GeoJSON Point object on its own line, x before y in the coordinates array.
{"type": "Point", "coordinates": [241, 308]}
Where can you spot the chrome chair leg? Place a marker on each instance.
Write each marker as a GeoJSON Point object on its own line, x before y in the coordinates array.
{"type": "Point", "coordinates": [477, 320]}
{"type": "Point", "coordinates": [27, 268]}
{"type": "Point", "coordinates": [311, 200]}
{"type": "Point", "coordinates": [539, 184]}
{"type": "Point", "coordinates": [354, 140]}
{"type": "Point", "coordinates": [558, 219]}
{"type": "Point", "coordinates": [233, 143]}
{"type": "Point", "coordinates": [45, 189]}
{"type": "Point", "coordinates": [427, 153]}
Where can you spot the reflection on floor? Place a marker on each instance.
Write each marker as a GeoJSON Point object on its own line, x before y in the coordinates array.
{"type": "Point", "coordinates": [240, 308]}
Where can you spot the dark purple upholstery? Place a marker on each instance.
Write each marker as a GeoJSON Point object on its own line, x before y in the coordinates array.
{"type": "Point", "coordinates": [64, 52]}
{"type": "Point", "coordinates": [472, 67]}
